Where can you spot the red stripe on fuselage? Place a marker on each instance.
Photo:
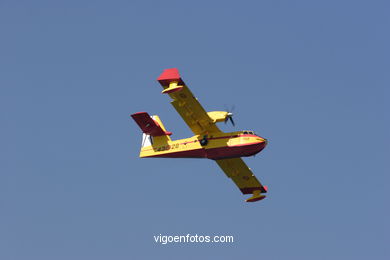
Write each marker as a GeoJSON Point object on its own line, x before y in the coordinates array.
{"type": "Point", "coordinates": [242, 150]}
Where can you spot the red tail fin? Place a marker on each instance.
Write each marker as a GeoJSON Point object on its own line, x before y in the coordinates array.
{"type": "Point", "coordinates": [148, 125]}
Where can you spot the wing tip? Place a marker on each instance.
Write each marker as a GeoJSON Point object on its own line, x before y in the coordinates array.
{"type": "Point", "coordinates": [252, 190]}
{"type": "Point", "coordinates": [257, 194]}
{"type": "Point", "coordinates": [169, 75]}
{"type": "Point", "coordinates": [255, 198]}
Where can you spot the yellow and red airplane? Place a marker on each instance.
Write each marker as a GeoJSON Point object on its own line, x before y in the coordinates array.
{"type": "Point", "coordinates": [208, 140]}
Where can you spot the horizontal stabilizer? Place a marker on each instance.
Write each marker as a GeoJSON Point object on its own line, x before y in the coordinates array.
{"type": "Point", "coordinates": [148, 125]}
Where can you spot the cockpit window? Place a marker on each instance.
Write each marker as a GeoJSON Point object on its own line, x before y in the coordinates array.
{"type": "Point", "coordinates": [250, 132]}
{"type": "Point", "coordinates": [245, 132]}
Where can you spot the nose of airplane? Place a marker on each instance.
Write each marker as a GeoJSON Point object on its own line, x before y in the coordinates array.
{"type": "Point", "coordinates": [263, 143]}
{"type": "Point", "coordinates": [254, 148]}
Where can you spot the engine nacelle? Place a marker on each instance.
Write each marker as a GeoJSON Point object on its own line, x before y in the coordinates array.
{"type": "Point", "coordinates": [218, 116]}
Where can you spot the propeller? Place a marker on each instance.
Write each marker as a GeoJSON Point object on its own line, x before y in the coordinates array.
{"type": "Point", "coordinates": [230, 115]}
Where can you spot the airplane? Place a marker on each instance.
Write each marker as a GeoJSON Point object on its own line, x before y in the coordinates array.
{"type": "Point", "coordinates": [226, 149]}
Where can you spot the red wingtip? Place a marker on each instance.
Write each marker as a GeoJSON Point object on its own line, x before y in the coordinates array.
{"type": "Point", "coordinates": [169, 75]}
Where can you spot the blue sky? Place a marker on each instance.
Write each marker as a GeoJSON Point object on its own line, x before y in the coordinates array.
{"type": "Point", "coordinates": [310, 76]}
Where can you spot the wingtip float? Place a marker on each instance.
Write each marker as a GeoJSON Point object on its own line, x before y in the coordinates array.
{"type": "Point", "coordinates": [208, 140]}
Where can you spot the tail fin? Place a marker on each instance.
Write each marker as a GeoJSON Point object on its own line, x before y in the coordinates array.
{"type": "Point", "coordinates": [150, 125]}
{"type": "Point", "coordinates": [153, 129]}
{"type": "Point", "coordinates": [157, 119]}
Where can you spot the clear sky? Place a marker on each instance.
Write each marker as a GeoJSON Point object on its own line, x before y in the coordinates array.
{"type": "Point", "coordinates": [310, 76]}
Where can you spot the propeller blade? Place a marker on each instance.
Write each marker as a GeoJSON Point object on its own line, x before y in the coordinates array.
{"type": "Point", "coordinates": [230, 114]}
{"type": "Point", "coordinates": [231, 120]}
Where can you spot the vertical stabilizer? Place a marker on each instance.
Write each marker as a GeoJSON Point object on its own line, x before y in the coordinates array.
{"type": "Point", "coordinates": [154, 132]}
{"type": "Point", "coordinates": [159, 122]}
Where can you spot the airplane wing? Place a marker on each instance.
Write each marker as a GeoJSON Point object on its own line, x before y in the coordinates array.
{"type": "Point", "coordinates": [186, 104]}
{"type": "Point", "coordinates": [238, 171]}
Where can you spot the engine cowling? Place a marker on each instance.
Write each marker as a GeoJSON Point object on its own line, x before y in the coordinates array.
{"type": "Point", "coordinates": [218, 116]}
